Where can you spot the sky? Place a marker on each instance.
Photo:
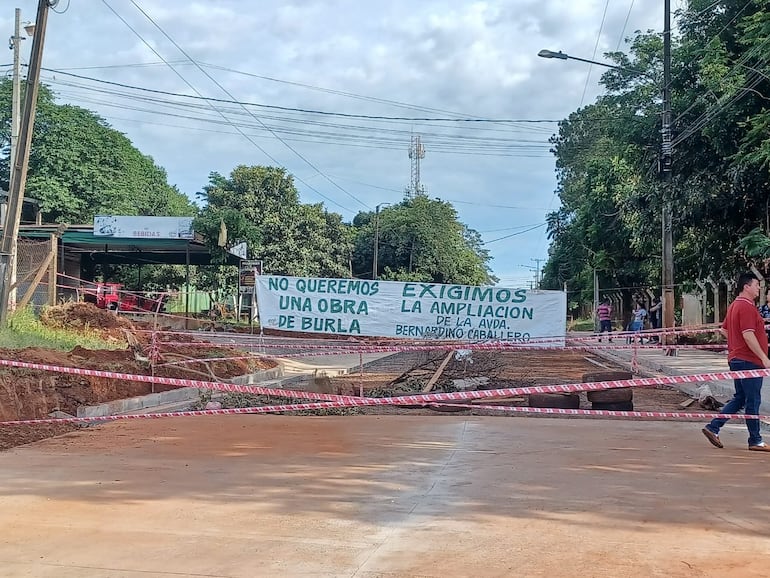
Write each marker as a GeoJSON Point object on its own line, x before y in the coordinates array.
{"type": "Point", "coordinates": [274, 65]}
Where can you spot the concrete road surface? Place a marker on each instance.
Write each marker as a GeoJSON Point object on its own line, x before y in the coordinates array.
{"type": "Point", "coordinates": [385, 496]}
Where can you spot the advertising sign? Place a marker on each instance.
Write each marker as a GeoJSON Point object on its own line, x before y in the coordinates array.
{"type": "Point", "coordinates": [143, 227]}
{"type": "Point", "coordinates": [353, 307]}
{"type": "Point", "coordinates": [248, 273]}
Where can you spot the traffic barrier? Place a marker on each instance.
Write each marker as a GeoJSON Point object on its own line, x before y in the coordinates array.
{"type": "Point", "coordinates": [330, 400]}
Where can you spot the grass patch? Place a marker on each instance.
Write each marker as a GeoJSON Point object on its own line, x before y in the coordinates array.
{"type": "Point", "coordinates": [25, 330]}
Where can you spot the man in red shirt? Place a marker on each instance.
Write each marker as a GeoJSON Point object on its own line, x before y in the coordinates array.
{"type": "Point", "coordinates": [746, 349]}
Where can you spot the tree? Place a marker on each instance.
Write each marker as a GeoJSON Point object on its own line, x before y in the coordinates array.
{"type": "Point", "coordinates": [79, 166]}
{"type": "Point", "coordinates": [606, 156]}
{"type": "Point", "coordinates": [260, 205]}
{"type": "Point", "coordinates": [420, 239]}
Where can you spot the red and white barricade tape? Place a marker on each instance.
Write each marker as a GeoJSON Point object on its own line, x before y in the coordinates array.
{"type": "Point", "coordinates": [363, 402]}
{"type": "Point", "coordinates": [354, 401]}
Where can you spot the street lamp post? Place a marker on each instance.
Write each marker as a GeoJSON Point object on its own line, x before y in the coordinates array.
{"type": "Point", "coordinates": [15, 45]}
{"type": "Point", "coordinates": [376, 238]}
{"type": "Point", "coordinates": [667, 241]}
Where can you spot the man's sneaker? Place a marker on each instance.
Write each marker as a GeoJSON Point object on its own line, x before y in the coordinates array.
{"type": "Point", "coordinates": [760, 447]}
{"type": "Point", "coordinates": [714, 439]}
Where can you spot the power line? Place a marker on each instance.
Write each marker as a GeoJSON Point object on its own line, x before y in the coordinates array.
{"type": "Point", "coordinates": [625, 23]}
{"type": "Point", "coordinates": [593, 57]}
{"type": "Point", "coordinates": [310, 111]}
{"type": "Point", "coordinates": [268, 155]}
{"type": "Point", "coordinates": [515, 234]}
{"type": "Point", "coordinates": [223, 89]}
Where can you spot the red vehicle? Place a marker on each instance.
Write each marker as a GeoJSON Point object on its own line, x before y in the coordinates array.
{"type": "Point", "coordinates": [103, 295]}
{"type": "Point", "coordinates": [112, 296]}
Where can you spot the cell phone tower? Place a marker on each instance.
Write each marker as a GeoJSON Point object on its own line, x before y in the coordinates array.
{"type": "Point", "coordinates": [416, 153]}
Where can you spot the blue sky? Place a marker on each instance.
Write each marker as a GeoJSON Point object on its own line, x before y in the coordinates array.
{"type": "Point", "coordinates": [471, 60]}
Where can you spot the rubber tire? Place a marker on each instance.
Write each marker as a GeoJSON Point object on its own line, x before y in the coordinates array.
{"type": "Point", "coordinates": [555, 400]}
{"type": "Point", "coordinates": [619, 406]}
{"type": "Point", "coordinates": [619, 395]}
{"type": "Point", "coordinates": [592, 376]}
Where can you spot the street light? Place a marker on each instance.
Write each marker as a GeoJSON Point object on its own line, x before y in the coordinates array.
{"type": "Point", "coordinates": [564, 56]}
{"type": "Point", "coordinates": [667, 241]}
{"type": "Point", "coordinates": [14, 43]}
{"type": "Point", "coordinates": [376, 238]}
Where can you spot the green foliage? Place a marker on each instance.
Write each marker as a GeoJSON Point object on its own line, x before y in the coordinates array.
{"type": "Point", "coordinates": [25, 330]}
{"type": "Point", "coordinates": [420, 240]}
{"type": "Point", "coordinates": [607, 154]}
{"type": "Point", "coordinates": [260, 205]}
{"type": "Point", "coordinates": [79, 166]}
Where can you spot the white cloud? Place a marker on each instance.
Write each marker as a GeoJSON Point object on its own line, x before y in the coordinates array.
{"type": "Point", "coordinates": [476, 58]}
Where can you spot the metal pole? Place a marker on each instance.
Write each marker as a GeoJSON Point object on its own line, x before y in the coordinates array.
{"type": "Point", "coordinates": [376, 240]}
{"type": "Point", "coordinates": [16, 188]}
{"type": "Point", "coordinates": [16, 99]}
{"type": "Point", "coordinates": [15, 124]}
{"type": "Point", "coordinates": [666, 153]}
{"type": "Point", "coordinates": [596, 301]}
{"type": "Point", "coordinates": [187, 286]}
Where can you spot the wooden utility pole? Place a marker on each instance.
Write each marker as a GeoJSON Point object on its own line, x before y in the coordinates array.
{"type": "Point", "coordinates": [19, 172]}
{"type": "Point", "coordinates": [667, 235]}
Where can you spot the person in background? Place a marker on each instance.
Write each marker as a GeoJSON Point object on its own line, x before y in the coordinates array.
{"type": "Point", "coordinates": [655, 313]}
{"type": "Point", "coordinates": [604, 313]}
{"type": "Point", "coordinates": [637, 322]}
{"type": "Point", "coordinates": [746, 350]}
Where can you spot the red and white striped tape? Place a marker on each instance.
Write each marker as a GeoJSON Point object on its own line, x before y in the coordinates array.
{"type": "Point", "coordinates": [652, 415]}
{"type": "Point", "coordinates": [483, 346]}
{"type": "Point", "coordinates": [353, 401]}
{"type": "Point", "coordinates": [419, 398]}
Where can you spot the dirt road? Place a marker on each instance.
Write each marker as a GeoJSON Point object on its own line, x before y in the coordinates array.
{"type": "Point", "coordinates": [385, 496]}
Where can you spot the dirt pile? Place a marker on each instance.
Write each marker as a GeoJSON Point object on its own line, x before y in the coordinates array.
{"type": "Point", "coordinates": [32, 394]}
{"type": "Point", "coordinates": [80, 316]}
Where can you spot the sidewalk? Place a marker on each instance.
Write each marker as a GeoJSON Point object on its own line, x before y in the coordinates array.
{"type": "Point", "coordinates": [654, 362]}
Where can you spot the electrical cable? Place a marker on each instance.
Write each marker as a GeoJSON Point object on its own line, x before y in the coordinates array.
{"type": "Point", "coordinates": [268, 155]}
{"type": "Point", "coordinates": [223, 89]}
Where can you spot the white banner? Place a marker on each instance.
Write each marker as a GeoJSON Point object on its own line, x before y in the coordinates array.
{"type": "Point", "coordinates": [353, 307]}
{"type": "Point", "coordinates": [143, 227]}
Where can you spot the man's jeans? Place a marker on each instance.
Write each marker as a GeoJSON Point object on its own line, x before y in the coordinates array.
{"type": "Point", "coordinates": [748, 396]}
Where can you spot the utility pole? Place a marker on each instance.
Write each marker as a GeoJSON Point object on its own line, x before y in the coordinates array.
{"type": "Point", "coordinates": [596, 301]}
{"type": "Point", "coordinates": [21, 160]}
{"type": "Point", "coordinates": [16, 98]}
{"type": "Point", "coordinates": [376, 238]}
{"type": "Point", "coordinates": [15, 121]}
{"type": "Point", "coordinates": [665, 167]}
{"type": "Point", "coordinates": [537, 271]}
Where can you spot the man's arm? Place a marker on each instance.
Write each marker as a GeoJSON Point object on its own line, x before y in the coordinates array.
{"type": "Point", "coordinates": [753, 343]}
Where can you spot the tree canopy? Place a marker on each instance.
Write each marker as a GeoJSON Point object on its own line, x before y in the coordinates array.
{"type": "Point", "coordinates": [420, 239]}
{"type": "Point", "coordinates": [260, 205]}
{"type": "Point", "coordinates": [79, 166]}
{"type": "Point", "coordinates": [607, 155]}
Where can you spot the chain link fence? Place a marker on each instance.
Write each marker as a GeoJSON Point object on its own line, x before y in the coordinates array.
{"type": "Point", "coordinates": [31, 254]}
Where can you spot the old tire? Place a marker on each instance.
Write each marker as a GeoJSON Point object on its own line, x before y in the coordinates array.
{"type": "Point", "coordinates": [555, 400]}
{"type": "Point", "coordinates": [617, 406]}
{"type": "Point", "coordinates": [619, 395]}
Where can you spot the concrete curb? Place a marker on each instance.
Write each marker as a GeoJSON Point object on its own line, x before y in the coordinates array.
{"type": "Point", "coordinates": [179, 399]}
